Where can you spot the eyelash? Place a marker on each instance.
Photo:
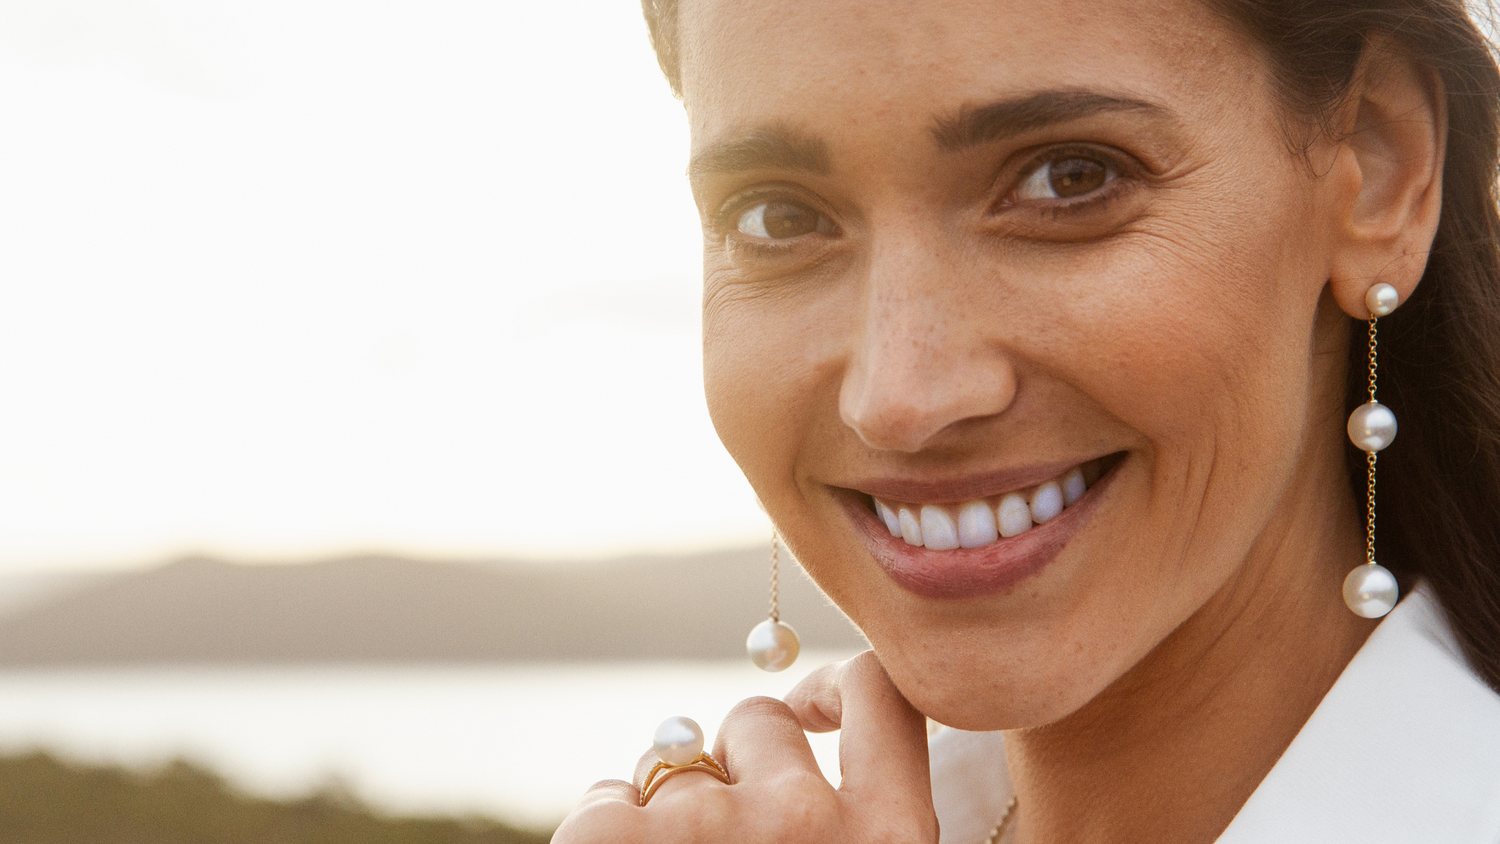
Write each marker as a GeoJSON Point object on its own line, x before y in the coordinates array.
{"type": "Point", "coordinates": [725, 222]}
{"type": "Point", "coordinates": [1083, 205]}
{"type": "Point", "coordinates": [758, 248]}
{"type": "Point", "coordinates": [1123, 174]}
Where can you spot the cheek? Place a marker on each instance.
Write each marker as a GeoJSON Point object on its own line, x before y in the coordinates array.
{"type": "Point", "coordinates": [1218, 343]}
{"type": "Point", "coordinates": [1199, 320]}
{"type": "Point", "coordinates": [1201, 343]}
{"type": "Point", "coordinates": [759, 377]}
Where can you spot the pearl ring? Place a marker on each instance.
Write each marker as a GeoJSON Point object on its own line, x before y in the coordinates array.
{"type": "Point", "coordinates": [679, 745]}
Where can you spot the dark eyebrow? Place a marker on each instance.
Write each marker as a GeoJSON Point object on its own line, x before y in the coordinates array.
{"type": "Point", "coordinates": [1004, 118]}
{"type": "Point", "coordinates": [767, 148]}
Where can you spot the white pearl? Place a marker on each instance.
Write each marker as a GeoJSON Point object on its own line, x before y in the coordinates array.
{"type": "Point", "coordinates": [1370, 590]}
{"type": "Point", "coordinates": [678, 741]}
{"type": "Point", "coordinates": [772, 645]}
{"type": "Point", "coordinates": [1382, 299]}
{"type": "Point", "coordinates": [1372, 426]}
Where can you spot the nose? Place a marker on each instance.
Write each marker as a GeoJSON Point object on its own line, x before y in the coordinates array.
{"type": "Point", "coordinates": [927, 355]}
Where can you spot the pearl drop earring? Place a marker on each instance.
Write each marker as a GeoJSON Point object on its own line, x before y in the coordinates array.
{"type": "Point", "coordinates": [1370, 589]}
{"type": "Point", "coordinates": [773, 644]}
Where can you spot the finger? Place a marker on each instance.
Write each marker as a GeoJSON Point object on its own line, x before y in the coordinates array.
{"type": "Point", "coordinates": [673, 784]}
{"type": "Point", "coordinates": [607, 812]}
{"type": "Point", "coordinates": [761, 738]}
{"type": "Point", "coordinates": [883, 743]}
{"type": "Point", "coordinates": [609, 791]}
{"type": "Point", "coordinates": [815, 700]}
{"type": "Point", "coordinates": [643, 767]}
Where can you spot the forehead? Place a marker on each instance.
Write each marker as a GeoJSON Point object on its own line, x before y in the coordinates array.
{"type": "Point", "coordinates": [851, 62]}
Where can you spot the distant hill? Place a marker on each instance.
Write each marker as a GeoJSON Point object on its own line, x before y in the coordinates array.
{"type": "Point", "coordinates": [386, 609]}
{"type": "Point", "coordinates": [48, 801]}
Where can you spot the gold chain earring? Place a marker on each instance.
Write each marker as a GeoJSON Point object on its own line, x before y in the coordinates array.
{"type": "Point", "coordinates": [773, 644]}
{"type": "Point", "coordinates": [1370, 589]}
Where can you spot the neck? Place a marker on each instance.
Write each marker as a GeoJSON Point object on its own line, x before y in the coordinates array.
{"type": "Point", "coordinates": [1171, 751]}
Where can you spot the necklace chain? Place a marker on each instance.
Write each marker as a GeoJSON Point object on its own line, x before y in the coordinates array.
{"type": "Point", "coordinates": [999, 828]}
{"type": "Point", "coordinates": [775, 577]}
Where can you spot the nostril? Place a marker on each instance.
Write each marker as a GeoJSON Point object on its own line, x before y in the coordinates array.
{"type": "Point", "coordinates": [894, 425]}
{"type": "Point", "coordinates": [909, 403]}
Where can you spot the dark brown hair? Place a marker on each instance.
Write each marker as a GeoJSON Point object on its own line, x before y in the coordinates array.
{"type": "Point", "coordinates": [1440, 351]}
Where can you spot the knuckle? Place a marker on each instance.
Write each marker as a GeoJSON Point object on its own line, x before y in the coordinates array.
{"type": "Point", "coordinates": [697, 815]}
{"type": "Point", "coordinates": [864, 665]}
{"type": "Point", "coordinates": [750, 716]}
{"type": "Point", "coordinates": [598, 823]}
{"type": "Point", "coordinates": [759, 707]}
{"type": "Point", "coordinates": [799, 787]}
{"type": "Point", "coordinates": [643, 766]}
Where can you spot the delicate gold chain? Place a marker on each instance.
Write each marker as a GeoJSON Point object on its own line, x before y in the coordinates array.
{"type": "Point", "coordinates": [1370, 464]}
{"type": "Point", "coordinates": [775, 579]}
{"type": "Point", "coordinates": [1370, 510]}
{"type": "Point", "coordinates": [999, 828]}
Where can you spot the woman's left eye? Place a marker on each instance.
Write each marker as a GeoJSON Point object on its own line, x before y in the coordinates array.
{"type": "Point", "coordinates": [1065, 178]}
{"type": "Point", "coordinates": [780, 221]}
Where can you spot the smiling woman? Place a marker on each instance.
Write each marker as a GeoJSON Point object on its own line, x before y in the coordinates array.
{"type": "Point", "coordinates": [1036, 334]}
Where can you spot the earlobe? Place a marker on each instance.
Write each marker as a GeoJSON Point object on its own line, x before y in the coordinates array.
{"type": "Point", "coordinates": [1395, 136]}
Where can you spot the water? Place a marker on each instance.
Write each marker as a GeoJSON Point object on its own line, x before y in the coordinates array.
{"type": "Point", "coordinates": [519, 742]}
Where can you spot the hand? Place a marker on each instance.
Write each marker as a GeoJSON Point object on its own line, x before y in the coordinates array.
{"type": "Point", "coordinates": [778, 795]}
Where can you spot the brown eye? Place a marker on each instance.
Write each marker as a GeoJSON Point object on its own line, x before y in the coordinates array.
{"type": "Point", "coordinates": [1075, 176]}
{"type": "Point", "coordinates": [780, 220]}
{"type": "Point", "coordinates": [1064, 178]}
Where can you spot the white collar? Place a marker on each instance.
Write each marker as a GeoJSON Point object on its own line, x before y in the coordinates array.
{"type": "Point", "coordinates": [1404, 748]}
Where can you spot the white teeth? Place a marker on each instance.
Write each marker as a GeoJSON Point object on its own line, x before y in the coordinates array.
{"type": "Point", "coordinates": [1013, 515]}
{"type": "Point", "coordinates": [1046, 502]}
{"type": "Point", "coordinates": [939, 533]}
{"type": "Point", "coordinates": [911, 529]}
{"type": "Point", "coordinates": [976, 525]}
{"type": "Point", "coordinates": [1073, 486]}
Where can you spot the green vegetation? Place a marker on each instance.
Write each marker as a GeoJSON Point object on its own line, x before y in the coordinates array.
{"type": "Point", "coordinates": [47, 801]}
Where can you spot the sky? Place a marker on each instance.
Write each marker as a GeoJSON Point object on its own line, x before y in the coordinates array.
{"type": "Point", "coordinates": [282, 280]}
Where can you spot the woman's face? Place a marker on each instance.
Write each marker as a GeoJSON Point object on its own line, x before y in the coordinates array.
{"type": "Point", "coordinates": [958, 250]}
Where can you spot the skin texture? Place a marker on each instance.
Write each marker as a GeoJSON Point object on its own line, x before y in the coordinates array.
{"type": "Point", "coordinates": [944, 320]}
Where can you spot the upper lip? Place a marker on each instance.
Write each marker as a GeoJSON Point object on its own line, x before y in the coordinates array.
{"type": "Point", "coordinates": [955, 489]}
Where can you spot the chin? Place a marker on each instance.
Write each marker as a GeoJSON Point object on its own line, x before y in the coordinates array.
{"type": "Point", "coordinates": [977, 692]}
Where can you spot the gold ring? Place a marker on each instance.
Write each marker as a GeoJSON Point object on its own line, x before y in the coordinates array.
{"type": "Point", "coordinates": [661, 770]}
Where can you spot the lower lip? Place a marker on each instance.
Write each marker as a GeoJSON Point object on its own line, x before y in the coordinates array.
{"type": "Point", "coordinates": [971, 572]}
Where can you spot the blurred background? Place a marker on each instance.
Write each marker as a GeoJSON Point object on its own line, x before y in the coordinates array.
{"type": "Point", "coordinates": [354, 463]}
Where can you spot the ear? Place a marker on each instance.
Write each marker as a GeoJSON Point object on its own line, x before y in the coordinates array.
{"type": "Point", "coordinates": [1395, 132]}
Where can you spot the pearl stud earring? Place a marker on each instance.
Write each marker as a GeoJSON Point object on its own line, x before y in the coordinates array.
{"type": "Point", "coordinates": [1370, 589]}
{"type": "Point", "coordinates": [773, 644]}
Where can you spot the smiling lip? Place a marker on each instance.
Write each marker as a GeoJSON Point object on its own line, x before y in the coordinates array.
{"type": "Point", "coordinates": [967, 572]}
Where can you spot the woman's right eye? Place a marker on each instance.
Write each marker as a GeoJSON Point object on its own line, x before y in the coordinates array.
{"type": "Point", "coordinates": [781, 221]}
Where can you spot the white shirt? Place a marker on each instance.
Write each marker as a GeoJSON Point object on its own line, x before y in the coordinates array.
{"type": "Point", "coordinates": [1404, 748]}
